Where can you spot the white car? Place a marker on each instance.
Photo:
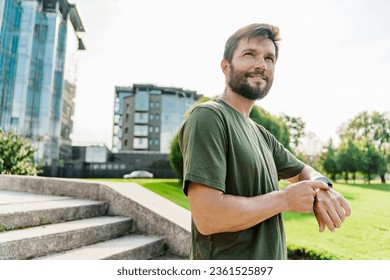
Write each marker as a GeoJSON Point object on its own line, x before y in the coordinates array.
{"type": "Point", "coordinates": [138, 174]}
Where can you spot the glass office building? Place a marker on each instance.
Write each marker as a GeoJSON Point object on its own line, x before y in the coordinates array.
{"type": "Point", "coordinates": [147, 117]}
{"type": "Point", "coordinates": [33, 60]}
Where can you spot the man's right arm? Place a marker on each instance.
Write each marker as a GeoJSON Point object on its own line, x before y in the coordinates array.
{"type": "Point", "coordinates": [214, 211]}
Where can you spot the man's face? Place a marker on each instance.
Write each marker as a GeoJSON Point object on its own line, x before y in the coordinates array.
{"type": "Point", "coordinates": [251, 71]}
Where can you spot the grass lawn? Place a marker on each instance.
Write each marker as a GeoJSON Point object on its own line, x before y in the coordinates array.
{"type": "Point", "coordinates": [365, 235]}
{"type": "Point", "coordinates": [168, 188]}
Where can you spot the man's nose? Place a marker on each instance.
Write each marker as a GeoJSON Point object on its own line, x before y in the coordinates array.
{"type": "Point", "coordinates": [260, 64]}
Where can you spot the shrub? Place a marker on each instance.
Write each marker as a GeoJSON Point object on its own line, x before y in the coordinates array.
{"type": "Point", "coordinates": [176, 158]}
{"type": "Point", "coordinates": [16, 154]}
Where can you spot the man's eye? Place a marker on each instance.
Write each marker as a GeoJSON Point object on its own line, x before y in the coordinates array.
{"type": "Point", "coordinates": [248, 54]}
{"type": "Point", "coordinates": [270, 58]}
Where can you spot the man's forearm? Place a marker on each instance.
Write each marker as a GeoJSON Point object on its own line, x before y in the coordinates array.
{"type": "Point", "coordinates": [215, 212]}
{"type": "Point", "coordinates": [309, 173]}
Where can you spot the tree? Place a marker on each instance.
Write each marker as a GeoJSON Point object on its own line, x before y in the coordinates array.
{"type": "Point", "coordinates": [375, 128]}
{"type": "Point", "coordinates": [349, 159]}
{"type": "Point", "coordinates": [176, 158]}
{"type": "Point", "coordinates": [372, 161]}
{"type": "Point", "coordinates": [309, 149]}
{"type": "Point", "coordinates": [16, 154]}
{"type": "Point", "coordinates": [273, 124]}
{"type": "Point", "coordinates": [296, 127]}
{"type": "Point", "coordinates": [329, 162]}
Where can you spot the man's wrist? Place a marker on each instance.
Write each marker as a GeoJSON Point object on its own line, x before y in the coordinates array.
{"type": "Point", "coordinates": [325, 180]}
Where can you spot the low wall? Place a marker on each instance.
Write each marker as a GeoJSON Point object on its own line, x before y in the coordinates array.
{"type": "Point", "coordinates": [153, 214]}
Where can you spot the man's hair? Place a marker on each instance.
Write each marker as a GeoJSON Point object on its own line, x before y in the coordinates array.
{"type": "Point", "coordinates": [254, 30]}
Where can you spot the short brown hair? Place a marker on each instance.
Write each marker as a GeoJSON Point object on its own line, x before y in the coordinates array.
{"type": "Point", "coordinates": [250, 31]}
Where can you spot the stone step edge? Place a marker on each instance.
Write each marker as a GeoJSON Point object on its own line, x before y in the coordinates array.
{"type": "Point", "coordinates": [34, 242]}
{"type": "Point", "coordinates": [129, 247]}
{"type": "Point", "coordinates": [42, 213]}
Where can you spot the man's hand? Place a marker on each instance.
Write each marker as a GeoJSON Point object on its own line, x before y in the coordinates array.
{"type": "Point", "coordinates": [299, 197]}
{"type": "Point", "coordinates": [330, 209]}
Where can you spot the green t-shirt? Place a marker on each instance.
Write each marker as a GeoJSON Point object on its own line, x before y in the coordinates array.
{"type": "Point", "coordinates": [225, 150]}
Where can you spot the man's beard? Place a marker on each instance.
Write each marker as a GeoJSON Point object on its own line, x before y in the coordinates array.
{"type": "Point", "coordinates": [238, 83]}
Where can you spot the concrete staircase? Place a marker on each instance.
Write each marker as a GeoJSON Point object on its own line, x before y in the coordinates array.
{"type": "Point", "coordinates": [56, 218]}
{"type": "Point", "coordinates": [36, 226]}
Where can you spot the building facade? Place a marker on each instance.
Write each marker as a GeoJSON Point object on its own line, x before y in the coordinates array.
{"type": "Point", "coordinates": [36, 94]}
{"type": "Point", "coordinates": [99, 162]}
{"type": "Point", "coordinates": [146, 117]}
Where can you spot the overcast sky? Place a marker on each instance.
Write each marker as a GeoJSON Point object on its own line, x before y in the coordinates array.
{"type": "Point", "coordinates": [333, 63]}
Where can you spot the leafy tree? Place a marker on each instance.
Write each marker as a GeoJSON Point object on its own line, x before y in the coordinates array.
{"type": "Point", "coordinates": [372, 161]}
{"type": "Point", "coordinates": [296, 127]}
{"type": "Point", "coordinates": [273, 124]}
{"type": "Point", "coordinates": [375, 128]}
{"type": "Point", "coordinates": [16, 155]}
{"type": "Point", "coordinates": [329, 162]}
{"type": "Point", "coordinates": [176, 158]}
{"type": "Point", "coordinates": [349, 159]}
{"type": "Point", "coordinates": [310, 149]}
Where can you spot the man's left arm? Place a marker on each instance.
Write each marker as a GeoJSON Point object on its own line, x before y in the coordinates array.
{"type": "Point", "coordinates": [330, 207]}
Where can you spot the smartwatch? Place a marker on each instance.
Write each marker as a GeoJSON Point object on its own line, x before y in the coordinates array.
{"type": "Point", "coordinates": [325, 180]}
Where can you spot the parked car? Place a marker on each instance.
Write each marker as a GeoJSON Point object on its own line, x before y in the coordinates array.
{"type": "Point", "coordinates": [138, 174]}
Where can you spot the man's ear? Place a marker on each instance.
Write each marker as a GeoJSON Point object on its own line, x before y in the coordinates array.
{"type": "Point", "coordinates": [225, 66]}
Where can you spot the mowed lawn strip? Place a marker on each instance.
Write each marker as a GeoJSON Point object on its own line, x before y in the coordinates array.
{"type": "Point", "coordinates": [171, 189]}
{"type": "Point", "coordinates": [365, 235]}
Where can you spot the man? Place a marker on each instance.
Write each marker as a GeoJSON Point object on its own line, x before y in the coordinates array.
{"type": "Point", "coordinates": [232, 165]}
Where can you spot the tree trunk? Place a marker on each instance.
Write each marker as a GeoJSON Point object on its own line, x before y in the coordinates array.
{"type": "Point", "coordinates": [383, 178]}
{"type": "Point", "coordinates": [346, 177]}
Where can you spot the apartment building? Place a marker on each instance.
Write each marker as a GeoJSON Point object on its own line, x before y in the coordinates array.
{"type": "Point", "coordinates": [146, 116]}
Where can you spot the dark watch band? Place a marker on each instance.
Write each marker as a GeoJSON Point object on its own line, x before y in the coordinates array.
{"type": "Point", "coordinates": [325, 180]}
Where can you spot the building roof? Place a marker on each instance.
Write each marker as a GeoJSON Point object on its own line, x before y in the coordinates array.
{"type": "Point", "coordinates": [75, 18]}
{"type": "Point", "coordinates": [65, 8]}
{"type": "Point", "coordinates": [77, 24]}
{"type": "Point", "coordinates": [163, 90]}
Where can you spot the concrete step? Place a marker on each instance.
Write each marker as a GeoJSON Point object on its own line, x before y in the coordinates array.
{"type": "Point", "coordinates": [43, 240]}
{"type": "Point", "coordinates": [24, 214]}
{"type": "Point", "coordinates": [14, 197]}
{"type": "Point", "coordinates": [130, 247]}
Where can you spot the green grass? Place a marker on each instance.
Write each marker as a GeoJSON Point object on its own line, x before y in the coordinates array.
{"type": "Point", "coordinates": [365, 235]}
{"type": "Point", "coordinates": [171, 189]}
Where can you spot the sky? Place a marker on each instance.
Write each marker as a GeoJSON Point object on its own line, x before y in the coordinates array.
{"type": "Point", "coordinates": [334, 59]}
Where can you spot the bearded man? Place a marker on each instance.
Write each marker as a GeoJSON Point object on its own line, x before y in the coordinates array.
{"type": "Point", "coordinates": [232, 165]}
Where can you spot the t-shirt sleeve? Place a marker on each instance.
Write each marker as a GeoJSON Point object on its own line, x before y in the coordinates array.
{"type": "Point", "coordinates": [202, 141]}
{"type": "Point", "coordinates": [287, 164]}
